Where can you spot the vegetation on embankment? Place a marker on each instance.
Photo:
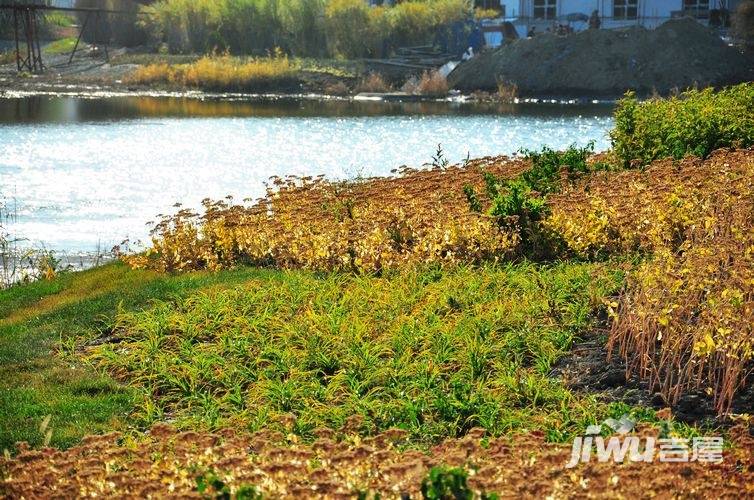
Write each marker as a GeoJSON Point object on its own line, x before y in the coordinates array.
{"type": "Point", "coordinates": [315, 28]}
{"type": "Point", "coordinates": [276, 73]}
{"type": "Point", "coordinates": [42, 325]}
{"type": "Point", "coordinates": [434, 352]}
{"type": "Point", "coordinates": [222, 73]}
{"type": "Point", "coordinates": [431, 351]}
{"type": "Point", "coordinates": [693, 123]}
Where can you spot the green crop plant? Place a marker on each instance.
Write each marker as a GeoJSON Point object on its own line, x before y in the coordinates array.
{"type": "Point", "coordinates": [432, 351]}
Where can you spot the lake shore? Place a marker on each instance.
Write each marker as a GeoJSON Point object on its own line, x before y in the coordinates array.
{"type": "Point", "coordinates": [22, 88]}
{"type": "Point", "coordinates": [95, 77]}
{"type": "Point", "coordinates": [567, 70]}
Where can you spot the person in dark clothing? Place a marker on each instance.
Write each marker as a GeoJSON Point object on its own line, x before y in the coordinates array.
{"type": "Point", "coordinates": [594, 21]}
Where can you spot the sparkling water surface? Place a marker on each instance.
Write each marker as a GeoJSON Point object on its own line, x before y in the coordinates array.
{"type": "Point", "coordinates": [81, 174]}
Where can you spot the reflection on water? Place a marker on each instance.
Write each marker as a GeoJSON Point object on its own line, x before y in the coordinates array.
{"type": "Point", "coordinates": [92, 171]}
{"type": "Point", "coordinates": [42, 109]}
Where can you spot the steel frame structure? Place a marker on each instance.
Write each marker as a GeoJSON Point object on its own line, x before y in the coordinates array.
{"type": "Point", "coordinates": [26, 30]}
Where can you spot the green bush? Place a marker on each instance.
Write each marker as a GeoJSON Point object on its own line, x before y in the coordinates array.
{"type": "Point", "coordinates": [191, 26]}
{"type": "Point", "coordinates": [521, 202]}
{"type": "Point", "coordinates": [410, 22]}
{"type": "Point", "coordinates": [303, 21]}
{"type": "Point", "coordinates": [547, 166]}
{"type": "Point", "coordinates": [518, 204]}
{"type": "Point", "coordinates": [694, 123]}
{"type": "Point", "coordinates": [446, 483]}
{"type": "Point", "coordinates": [348, 27]}
{"type": "Point", "coordinates": [450, 483]}
{"type": "Point", "coordinates": [122, 29]}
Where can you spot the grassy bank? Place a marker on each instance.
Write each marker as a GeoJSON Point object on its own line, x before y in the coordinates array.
{"type": "Point", "coordinates": [225, 73]}
{"type": "Point", "coordinates": [41, 325]}
{"type": "Point", "coordinates": [433, 352]}
{"type": "Point", "coordinates": [222, 73]}
{"type": "Point", "coordinates": [278, 73]}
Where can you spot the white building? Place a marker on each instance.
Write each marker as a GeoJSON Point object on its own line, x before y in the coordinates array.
{"type": "Point", "coordinates": [613, 13]}
{"type": "Point", "coordinates": [545, 15]}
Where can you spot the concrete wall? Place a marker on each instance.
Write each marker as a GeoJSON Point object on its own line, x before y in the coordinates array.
{"type": "Point", "coordinates": [512, 7]}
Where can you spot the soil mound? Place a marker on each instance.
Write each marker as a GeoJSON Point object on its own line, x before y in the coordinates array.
{"type": "Point", "coordinates": [678, 54]}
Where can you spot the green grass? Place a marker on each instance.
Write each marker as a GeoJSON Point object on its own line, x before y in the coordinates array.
{"type": "Point", "coordinates": [335, 67]}
{"type": "Point", "coordinates": [435, 352]}
{"type": "Point", "coordinates": [62, 46]}
{"type": "Point", "coordinates": [60, 19]}
{"type": "Point", "coordinates": [145, 59]}
{"type": "Point", "coordinates": [42, 322]}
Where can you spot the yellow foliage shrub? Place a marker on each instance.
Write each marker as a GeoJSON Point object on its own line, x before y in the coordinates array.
{"type": "Point", "coordinates": [363, 226]}
{"type": "Point", "coordinates": [686, 322]}
{"type": "Point", "coordinates": [373, 82]}
{"type": "Point", "coordinates": [222, 73]}
{"type": "Point", "coordinates": [433, 84]}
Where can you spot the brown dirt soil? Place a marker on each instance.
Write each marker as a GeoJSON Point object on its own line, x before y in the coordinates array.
{"type": "Point", "coordinates": [589, 368]}
{"type": "Point", "coordinates": [165, 464]}
{"type": "Point", "coordinates": [678, 54]}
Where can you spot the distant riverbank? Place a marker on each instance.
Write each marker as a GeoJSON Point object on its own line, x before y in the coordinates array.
{"type": "Point", "coordinates": [566, 71]}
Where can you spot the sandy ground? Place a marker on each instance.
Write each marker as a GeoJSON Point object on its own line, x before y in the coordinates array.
{"type": "Point", "coordinates": [89, 71]}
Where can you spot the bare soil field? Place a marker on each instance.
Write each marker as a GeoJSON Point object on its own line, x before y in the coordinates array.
{"type": "Point", "coordinates": [168, 464]}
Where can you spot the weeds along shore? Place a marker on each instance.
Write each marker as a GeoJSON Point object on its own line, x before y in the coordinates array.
{"type": "Point", "coordinates": [278, 73]}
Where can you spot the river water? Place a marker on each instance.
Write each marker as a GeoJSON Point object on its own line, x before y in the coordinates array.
{"type": "Point", "coordinates": [81, 173]}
